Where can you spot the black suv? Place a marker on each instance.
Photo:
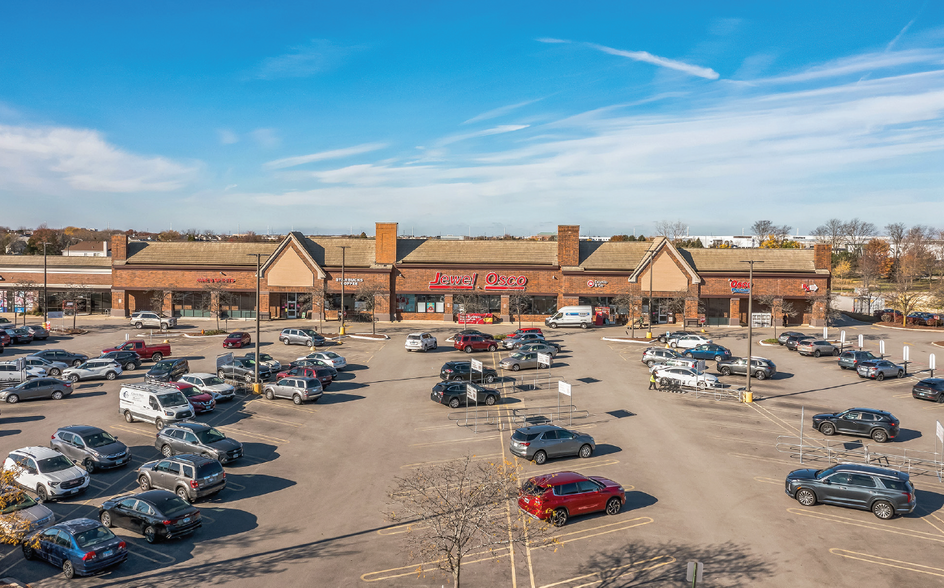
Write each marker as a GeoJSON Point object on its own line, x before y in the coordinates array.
{"type": "Point", "coordinates": [760, 368]}
{"type": "Point", "coordinates": [73, 359]}
{"type": "Point", "coordinates": [929, 389]}
{"type": "Point", "coordinates": [791, 342]}
{"type": "Point", "coordinates": [188, 476]}
{"type": "Point", "coordinates": [462, 370]}
{"type": "Point", "coordinates": [167, 370]}
{"type": "Point", "coordinates": [454, 393]}
{"type": "Point", "coordinates": [243, 369]}
{"type": "Point", "coordinates": [199, 439]}
{"type": "Point", "coordinates": [90, 447]}
{"type": "Point", "coordinates": [865, 422]}
{"type": "Point", "coordinates": [884, 492]}
{"type": "Point", "coordinates": [129, 360]}
{"type": "Point", "coordinates": [849, 360]}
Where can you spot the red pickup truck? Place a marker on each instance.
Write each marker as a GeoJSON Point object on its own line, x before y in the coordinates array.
{"type": "Point", "coordinates": [156, 352]}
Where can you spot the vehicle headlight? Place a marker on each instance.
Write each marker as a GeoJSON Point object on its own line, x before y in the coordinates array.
{"type": "Point", "coordinates": [95, 453]}
{"type": "Point", "coordinates": [54, 483]}
{"type": "Point", "coordinates": [168, 413]}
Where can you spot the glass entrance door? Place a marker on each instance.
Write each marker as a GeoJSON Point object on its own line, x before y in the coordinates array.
{"type": "Point", "coordinates": [291, 305]}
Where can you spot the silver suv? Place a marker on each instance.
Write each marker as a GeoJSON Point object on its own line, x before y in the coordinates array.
{"type": "Point", "coordinates": [306, 337]}
{"type": "Point", "coordinates": [188, 476]}
{"type": "Point", "coordinates": [298, 389]}
{"type": "Point", "coordinates": [543, 441]}
{"type": "Point", "coordinates": [152, 320]}
{"type": "Point", "coordinates": [46, 472]}
{"type": "Point", "coordinates": [420, 342]}
{"type": "Point", "coordinates": [93, 369]}
{"type": "Point", "coordinates": [653, 355]}
{"type": "Point", "coordinates": [884, 492]}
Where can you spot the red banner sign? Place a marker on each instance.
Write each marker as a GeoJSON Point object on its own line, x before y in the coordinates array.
{"type": "Point", "coordinates": [495, 281]}
{"type": "Point", "coordinates": [452, 282]}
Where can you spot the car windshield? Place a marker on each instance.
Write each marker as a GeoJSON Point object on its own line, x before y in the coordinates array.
{"type": "Point", "coordinates": [14, 501]}
{"type": "Point", "coordinates": [92, 537]}
{"type": "Point", "coordinates": [820, 474]}
{"type": "Point", "coordinates": [171, 505]}
{"type": "Point", "coordinates": [172, 399]}
{"type": "Point", "coordinates": [54, 464]}
{"type": "Point", "coordinates": [517, 356]}
{"type": "Point", "coordinates": [210, 436]}
{"type": "Point", "coordinates": [265, 357]}
{"type": "Point", "coordinates": [331, 355]}
{"type": "Point", "coordinates": [100, 439]}
{"type": "Point", "coordinates": [519, 436]}
{"type": "Point", "coordinates": [214, 381]}
{"type": "Point", "coordinates": [162, 366]}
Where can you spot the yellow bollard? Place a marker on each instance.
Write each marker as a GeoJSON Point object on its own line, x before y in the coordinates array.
{"type": "Point", "coordinates": [256, 388]}
{"type": "Point", "coordinates": [341, 331]}
{"type": "Point", "coordinates": [748, 397]}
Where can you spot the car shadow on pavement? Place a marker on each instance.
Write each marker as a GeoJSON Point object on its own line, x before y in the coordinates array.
{"type": "Point", "coordinates": [8, 432]}
{"type": "Point", "coordinates": [353, 367]}
{"type": "Point", "coordinates": [21, 419]}
{"type": "Point", "coordinates": [781, 376]}
{"type": "Point", "coordinates": [907, 435]}
{"type": "Point", "coordinates": [928, 502]}
{"type": "Point", "coordinates": [87, 394]}
{"type": "Point", "coordinates": [254, 454]}
{"type": "Point", "coordinates": [241, 486]}
{"type": "Point", "coordinates": [337, 386]}
{"type": "Point", "coordinates": [337, 398]}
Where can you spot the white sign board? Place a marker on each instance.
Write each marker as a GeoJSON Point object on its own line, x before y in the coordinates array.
{"type": "Point", "coordinates": [881, 347]}
{"type": "Point", "coordinates": [842, 337]}
{"type": "Point", "coordinates": [905, 353]}
{"type": "Point", "coordinates": [931, 362]}
{"type": "Point", "coordinates": [940, 431]}
{"type": "Point", "coordinates": [693, 573]}
{"type": "Point", "coordinates": [476, 365]}
{"type": "Point", "coordinates": [861, 340]}
{"type": "Point", "coordinates": [55, 314]}
{"type": "Point", "coordinates": [700, 366]}
{"type": "Point", "coordinates": [470, 392]}
{"type": "Point", "coordinates": [544, 359]}
{"type": "Point", "coordinates": [563, 388]}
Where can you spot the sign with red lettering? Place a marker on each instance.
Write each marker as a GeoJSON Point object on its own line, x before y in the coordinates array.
{"type": "Point", "coordinates": [738, 287]}
{"type": "Point", "coordinates": [494, 281]}
{"type": "Point", "coordinates": [452, 282]}
{"type": "Point", "coordinates": [216, 280]}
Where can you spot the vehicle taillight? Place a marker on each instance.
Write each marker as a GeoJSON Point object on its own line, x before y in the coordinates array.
{"type": "Point", "coordinates": [67, 384]}
{"type": "Point", "coordinates": [122, 545]}
{"type": "Point", "coordinates": [89, 556]}
{"type": "Point", "coordinates": [193, 483]}
{"type": "Point", "coordinates": [908, 496]}
{"type": "Point", "coordinates": [224, 475]}
{"type": "Point", "coordinates": [525, 444]}
{"type": "Point", "coordinates": [167, 523]}
{"type": "Point", "coordinates": [52, 436]}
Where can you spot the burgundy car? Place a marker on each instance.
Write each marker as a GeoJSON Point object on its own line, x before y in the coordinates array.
{"type": "Point", "coordinates": [238, 339]}
{"type": "Point", "coordinates": [200, 401]}
{"type": "Point", "coordinates": [323, 375]}
{"type": "Point", "coordinates": [557, 497]}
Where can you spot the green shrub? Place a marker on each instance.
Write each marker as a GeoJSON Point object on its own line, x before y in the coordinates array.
{"type": "Point", "coordinates": [771, 341]}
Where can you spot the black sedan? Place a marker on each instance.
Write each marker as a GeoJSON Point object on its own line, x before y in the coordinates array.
{"type": "Point", "coordinates": [792, 341]}
{"type": "Point", "coordinates": [20, 335]}
{"type": "Point", "coordinates": [929, 389]}
{"type": "Point", "coordinates": [760, 368]}
{"type": "Point", "coordinates": [864, 422]}
{"type": "Point", "coordinates": [462, 370]}
{"type": "Point", "coordinates": [156, 514]}
{"type": "Point", "coordinates": [454, 394]}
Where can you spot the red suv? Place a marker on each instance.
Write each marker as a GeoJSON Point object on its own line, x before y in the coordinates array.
{"type": "Point", "coordinates": [559, 496]}
{"type": "Point", "coordinates": [526, 330]}
{"type": "Point", "coordinates": [322, 374]}
{"type": "Point", "coordinates": [200, 401]}
{"type": "Point", "coordinates": [470, 343]}
{"type": "Point", "coordinates": [238, 339]}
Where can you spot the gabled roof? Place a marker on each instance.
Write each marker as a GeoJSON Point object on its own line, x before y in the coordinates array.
{"type": "Point", "coordinates": [774, 260]}
{"type": "Point", "coordinates": [656, 245]}
{"type": "Point", "coordinates": [326, 251]}
{"type": "Point", "coordinates": [196, 253]}
{"type": "Point", "coordinates": [612, 255]}
{"type": "Point", "coordinates": [477, 252]}
{"type": "Point", "coordinates": [302, 244]}
{"type": "Point", "coordinates": [89, 246]}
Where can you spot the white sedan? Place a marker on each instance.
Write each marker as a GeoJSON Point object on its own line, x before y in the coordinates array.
{"type": "Point", "coordinates": [689, 341]}
{"type": "Point", "coordinates": [329, 357]}
{"type": "Point", "coordinates": [686, 377]}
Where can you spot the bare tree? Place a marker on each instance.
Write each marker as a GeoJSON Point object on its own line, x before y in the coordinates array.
{"type": "Point", "coordinates": [832, 232]}
{"type": "Point", "coordinates": [460, 507]}
{"type": "Point", "coordinates": [75, 296]}
{"type": "Point", "coordinates": [671, 230]}
{"type": "Point", "coordinates": [160, 297]}
{"type": "Point", "coordinates": [896, 236]}
{"type": "Point", "coordinates": [368, 294]}
{"type": "Point", "coordinates": [468, 302]}
{"type": "Point", "coordinates": [23, 291]}
{"type": "Point", "coordinates": [216, 298]}
{"type": "Point", "coordinates": [857, 232]}
{"type": "Point", "coordinates": [519, 303]}
{"type": "Point", "coordinates": [632, 303]}
{"type": "Point", "coordinates": [13, 500]}
{"type": "Point", "coordinates": [874, 264]}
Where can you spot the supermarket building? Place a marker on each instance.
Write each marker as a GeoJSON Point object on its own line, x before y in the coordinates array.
{"type": "Point", "coordinates": [431, 279]}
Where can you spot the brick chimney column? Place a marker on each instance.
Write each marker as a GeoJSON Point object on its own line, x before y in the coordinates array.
{"type": "Point", "coordinates": [568, 245]}
{"type": "Point", "coordinates": [385, 244]}
{"type": "Point", "coordinates": [119, 249]}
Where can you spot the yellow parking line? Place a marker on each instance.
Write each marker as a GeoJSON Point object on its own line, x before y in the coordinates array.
{"type": "Point", "coordinates": [449, 441]}
{"type": "Point", "coordinates": [887, 562]}
{"type": "Point", "coordinates": [418, 568]}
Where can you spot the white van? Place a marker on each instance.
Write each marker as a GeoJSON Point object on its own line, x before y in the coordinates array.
{"type": "Point", "coordinates": [571, 316]}
{"type": "Point", "coordinates": [160, 404]}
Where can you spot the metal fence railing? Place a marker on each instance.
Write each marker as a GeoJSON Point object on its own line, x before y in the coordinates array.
{"type": "Point", "coordinates": [912, 461]}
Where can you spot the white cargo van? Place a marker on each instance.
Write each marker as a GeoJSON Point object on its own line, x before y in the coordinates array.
{"type": "Point", "coordinates": [160, 404]}
{"type": "Point", "coordinates": [571, 316]}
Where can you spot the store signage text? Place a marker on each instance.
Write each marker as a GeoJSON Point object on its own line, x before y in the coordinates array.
{"type": "Point", "coordinates": [350, 281]}
{"type": "Point", "coordinates": [597, 283]}
{"type": "Point", "coordinates": [216, 280]}
{"type": "Point", "coordinates": [452, 282]}
{"type": "Point", "coordinates": [495, 281]}
{"type": "Point", "coordinates": [739, 287]}
{"type": "Point", "coordinates": [810, 287]}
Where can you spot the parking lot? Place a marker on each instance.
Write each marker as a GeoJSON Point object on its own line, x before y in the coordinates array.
{"type": "Point", "coordinates": [704, 478]}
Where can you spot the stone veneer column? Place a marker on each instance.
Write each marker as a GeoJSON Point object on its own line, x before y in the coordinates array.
{"type": "Point", "coordinates": [734, 312]}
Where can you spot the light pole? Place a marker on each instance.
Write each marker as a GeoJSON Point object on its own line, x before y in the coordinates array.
{"type": "Point", "coordinates": [649, 310]}
{"type": "Point", "coordinates": [255, 367]}
{"type": "Point", "coordinates": [343, 249]}
{"type": "Point", "coordinates": [748, 395]}
{"type": "Point", "coordinates": [45, 284]}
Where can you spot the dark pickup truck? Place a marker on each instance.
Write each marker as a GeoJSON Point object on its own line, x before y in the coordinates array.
{"type": "Point", "coordinates": [156, 352]}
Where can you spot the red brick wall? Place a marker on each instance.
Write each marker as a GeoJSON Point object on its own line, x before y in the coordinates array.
{"type": "Point", "coordinates": [568, 245]}
{"type": "Point", "coordinates": [385, 247]}
{"type": "Point", "coordinates": [119, 248]}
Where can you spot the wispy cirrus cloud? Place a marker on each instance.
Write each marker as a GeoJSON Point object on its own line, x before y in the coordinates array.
{"type": "Point", "coordinates": [227, 137]}
{"type": "Point", "coordinates": [266, 138]}
{"type": "Point", "coordinates": [646, 57]}
{"type": "Point", "coordinates": [857, 64]}
{"type": "Point", "coordinates": [303, 61]}
{"type": "Point", "coordinates": [500, 129]}
{"type": "Point", "coordinates": [500, 111]}
{"type": "Point", "coordinates": [552, 40]}
{"type": "Point", "coordinates": [56, 159]}
{"type": "Point", "coordinates": [323, 155]}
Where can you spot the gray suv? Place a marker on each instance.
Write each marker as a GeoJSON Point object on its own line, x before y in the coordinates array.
{"type": "Point", "coordinates": [306, 337]}
{"type": "Point", "coordinates": [188, 476]}
{"type": "Point", "coordinates": [849, 360]}
{"type": "Point", "coordinates": [297, 388]}
{"type": "Point", "coordinates": [884, 492]}
{"type": "Point", "coordinates": [90, 447]}
{"type": "Point", "coordinates": [654, 355]}
{"type": "Point", "coordinates": [543, 441]}
{"type": "Point", "coordinates": [199, 439]}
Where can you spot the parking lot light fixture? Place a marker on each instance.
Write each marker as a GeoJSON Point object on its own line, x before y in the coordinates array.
{"type": "Point", "coordinates": [256, 388]}
{"type": "Point", "coordinates": [748, 395]}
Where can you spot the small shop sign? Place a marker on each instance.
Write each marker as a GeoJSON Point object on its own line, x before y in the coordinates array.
{"type": "Point", "coordinates": [597, 283]}
{"type": "Point", "coordinates": [810, 287]}
{"type": "Point", "coordinates": [216, 280]}
{"type": "Point", "coordinates": [739, 287]}
{"type": "Point", "coordinates": [350, 281]}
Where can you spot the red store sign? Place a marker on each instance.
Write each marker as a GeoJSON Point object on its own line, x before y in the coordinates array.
{"type": "Point", "coordinates": [452, 282]}
{"type": "Point", "coordinates": [216, 280]}
{"type": "Point", "coordinates": [495, 281]}
{"type": "Point", "coordinates": [738, 287]}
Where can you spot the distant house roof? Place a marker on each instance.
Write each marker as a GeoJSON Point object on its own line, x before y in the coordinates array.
{"type": "Point", "coordinates": [730, 260]}
{"type": "Point", "coordinates": [88, 246]}
{"type": "Point", "coordinates": [476, 252]}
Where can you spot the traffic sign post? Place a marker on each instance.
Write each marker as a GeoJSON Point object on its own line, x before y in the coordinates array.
{"type": "Point", "coordinates": [825, 332]}
{"type": "Point", "coordinates": [931, 364]}
{"type": "Point", "coordinates": [472, 394]}
{"type": "Point", "coordinates": [881, 349]}
{"type": "Point", "coordinates": [477, 367]}
{"type": "Point", "coordinates": [842, 340]}
{"type": "Point", "coordinates": [564, 388]}
{"type": "Point", "coordinates": [940, 435]}
{"type": "Point", "coordinates": [905, 356]}
{"type": "Point", "coordinates": [693, 573]}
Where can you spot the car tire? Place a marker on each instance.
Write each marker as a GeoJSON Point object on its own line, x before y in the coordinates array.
{"type": "Point", "coordinates": [718, 358]}
{"type": "Point", "coordinates": [297, 399]}
{"type": "Point", "coordinates": [284, 341]}
{"type": "Point", "coordinates": [68, 570]}
{"type": "Point", "coordinates": [309, 343]}
{"type": "Point", "coordinates": [28, 552]}
{"type": "Point", "coordinates": [138, 325]}
{"type": "Point", "coordinates": [585, 451]}
{"type": "Point", "coordinates": [454, 403]}
{"type": "Point", "coordinates": [613, 506]}
{"type": "Point", "coordinates": [515, 368]}
{"type": "Point", "coordinates": [879, 436]}
{"type": "Point", "coordinates": [490, 400]}
{"type": "Point", "coordinates": [559, 516]}
{"type": "Point", "coordinates": [806, 497]}
{"type": "Point", "coordinates": [456, 378]}
{"type": "Point", "coordinates": [163, 328]}
{"type": "Point", "coordinates": [650, 363]}
{"type": "Point", "coordinates": [883, 510]}
{"type": "Point", "coordinates": [553, 325]}
{"type": "Point", "coordinates": [159, 423]}
{"type": "Point", "coordinates": [842, 367]}
{"type": "Point", "coordinates": [183, 494]}
{"type": "Point", "coordinates": [701, 385]}
{"type": "Point", "coordinates": [105, 518]}
{"type": "Point", "coordinates": [129, 366]}
{"type": "Point", "coordinates": [110, 375]}
{"type": "Point", "coordinates": [129, 418]}
{"type": "Point", "coordinates": [827, 429]}
{"type": "Point", "coordinates": [41, 493]}
{"type": "Point", "coordinates": [89, 465]}
{"type": "Point", "coordinates": [664, 382]}
{"type": "Point", "coordinates": [880, 376]}
{"type": "Point", "coordinates": [248, 378]}
{"type": "Point", "coordinates": [143, 483]}
{"type": "Point", "coordinates": [73, 378]}
{"type": "Point", "coordinates": [816, 353]}
{"type": "Point", "coordinates": [57, 395]}
{"type": "Point", "coordinates": [725, 371]}
{"type": "Point", "coordinates": [584, 326]}
{"type": "Point", "coordinates": [835, 352]}
{"type": "Point", "coordinates": [761, 375]}
{"type": "Point", "coordinates": [167, 451]}
{"type": "Point", "coordinates": [540, 457]}
{"type": "Point", "coordinates": [489, 378]}
{"type": "Point", "coordinates": [468, 349]}
{"type": "Point", "coordinates": [492, 348]}
{"type": "Point", "coordinates": [269, 394]}
{"type": "Point", "coordinates": [901, 374]}
{"type": "Point", "coordinates": [77, 363]}
{"type": "Point", "coordinates": [150, 534]}
{"type": "Point", "coordinates": [157, 356]}
{"type": "Point", "coordinates": [54, 372]}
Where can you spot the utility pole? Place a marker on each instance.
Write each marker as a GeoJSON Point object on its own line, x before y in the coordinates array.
{"type": "Point", "coordinates": [748, 395]}
{"type": "Point", "coordinates": [256, 388]}
{"type": "Point", "coordinates": [343, 249]}
{"type": "Point", "coordinates": [45, 296]}
{"type": "Point", "coordinates": [651, 260]}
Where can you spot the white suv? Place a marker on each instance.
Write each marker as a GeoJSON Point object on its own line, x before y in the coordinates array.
{"type": "Point", "coordinates": [103, 367]}
{"type": "Point", "coordinates": [420, 342]}
{"type": "Point", "coordinates": [47, 472]}
{"type": "Point", "coordinates": [152, 320]}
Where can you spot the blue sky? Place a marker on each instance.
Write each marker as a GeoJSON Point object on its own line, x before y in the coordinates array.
{"type": "Point", "coordinates": [482, 117]}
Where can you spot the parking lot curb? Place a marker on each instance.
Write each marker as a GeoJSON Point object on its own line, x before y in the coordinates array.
{"type": "Point", "coordinates": [618, 340]}
{"type": "Point", "coordinates": [189, 336]}
{"type": "Point", "coordinates": [368, 337]}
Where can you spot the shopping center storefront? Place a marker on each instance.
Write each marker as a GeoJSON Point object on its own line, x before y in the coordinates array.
{"type": "Point", "coordinates": [439, 280]}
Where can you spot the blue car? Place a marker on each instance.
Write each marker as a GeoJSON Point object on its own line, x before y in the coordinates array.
{"type": "Point", "coordinates": [708, 351]}
{"type": "Point", "coordinates": [81, 547]}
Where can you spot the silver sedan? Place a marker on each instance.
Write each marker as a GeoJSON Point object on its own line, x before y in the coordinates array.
{"type": "Point", "coordinates": [879, 369]}
{"type": "Point", "coordinates": [520, 360]}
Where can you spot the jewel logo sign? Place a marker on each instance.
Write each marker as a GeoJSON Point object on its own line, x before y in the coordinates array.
{"type": "Point", "coordinates": [452, 282]}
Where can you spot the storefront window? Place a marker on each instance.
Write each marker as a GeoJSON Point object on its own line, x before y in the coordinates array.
{"type": "Point", "coordinates": [406, 302]}
{"type": "Point", "coordinates": [430, 303]}
{"type": "Point", "coordinates": [543, 305]}
{"type": "Point", "coordinates": [195, 304]}
{"type": "Point", "coordinates": [238, 305]}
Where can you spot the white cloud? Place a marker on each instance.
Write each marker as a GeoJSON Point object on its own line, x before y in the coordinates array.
{"type": "Point", "coordinates": [227, 137]}
{"type": "Point", "coordinates": [266, 138]}
{"type": "Point", "coordinates": [323, 155]}
{"type": "Point", "coordinates": [53, 159]}
{"type": "Point", "coordinates": [500, 129]}
{"type": "Point", "coordinates": [891, 43]}
{"type": "Point", "coordinates": [858, 64]}
{"type": "Point", "coordinates": [318, 56]}
{"type": "Point", "coordinates": [500, 111]}
{"type": "Point", "coordinates": [646, 57]}
{"type": "Point", "coordinates": [552, 40]}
